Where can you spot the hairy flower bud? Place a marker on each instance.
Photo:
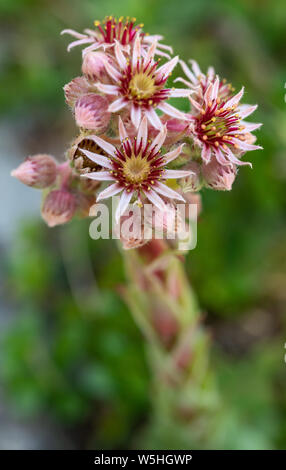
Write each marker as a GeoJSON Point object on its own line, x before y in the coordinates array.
{"type": "Point", "coordinates": [93, 66]}
{"type": "Point", "coordinates": [59, 207]}
{"type": "Point", "coordinates": [219, 177]}
{"type": "Point", "coordinates": [78, 87]}
{"type": "Point", "coordinates": [38, 171]}
{"type": "Point", "coordinates": [91, 113]}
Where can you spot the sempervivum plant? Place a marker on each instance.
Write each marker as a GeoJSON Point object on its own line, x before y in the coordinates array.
{"type": "Point", "coordinates": [133, 145]}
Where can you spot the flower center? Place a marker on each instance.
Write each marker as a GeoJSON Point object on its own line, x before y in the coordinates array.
{"type": "Point", "coordinates": [142, 86]}
{"type": "Point", "coordinates": [217, 127]}
{"type": "Point", "coordinates": [136, 169]}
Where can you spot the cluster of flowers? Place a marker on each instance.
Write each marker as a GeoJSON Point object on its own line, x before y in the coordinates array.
{"type": "Point", "coordinates": [146, 156]}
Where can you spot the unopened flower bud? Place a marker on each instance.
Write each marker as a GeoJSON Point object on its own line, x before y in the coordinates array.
{"type": "Point", "coordinates": [219, 177]}
{"type": "Point", "coordinates": [91, 113]}
{"type": "Point", "coordinates": [59, 207]}
{"type": "Point", "coordinates": [93, 66]}
{"type": "Point", "coordinates": [78, 87]}
{"type": "Point", "coordinates": [38, 171]}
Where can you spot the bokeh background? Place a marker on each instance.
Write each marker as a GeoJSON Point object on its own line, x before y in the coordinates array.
{"type": "Point", "coordinates": [73, 371]}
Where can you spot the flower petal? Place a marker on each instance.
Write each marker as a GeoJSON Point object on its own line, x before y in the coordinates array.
{"type": "Point", "coordinates": [107, 89]}
{"type": "Point", "coordinates": [170, 156]}
{"type": "Point", "coordinates": [196, 68]}
{"type": "Point", "coordinates": [235, 160]}
{"type": "Point", "coordinates": [96, 158]}
{"type": "Point", "coordinates": [136, 51]}
{"type": "Point", "coordinates": [154, 198]}
{"type": "Point", "coordinates": [249, 127]}
{"type": "Point", "coordinates": [245, 146]}
{"type": "Point", "coordinates": [174, 174]}
{"type": "Point", "coordinates": [246, 109]}
{"type": "Point", "coordinates": [159, 140]}
{"type": "Point", "coordinates": [235, 99]}
{"type": "Point", "coordinates": [117, 105]}
{"type": "Point", "coordinates": [179, 93]}
{"type": "Point", "coordinates": [222, 159]}
{"type": "Point", "coordinates": [135, 115]}
{"type": "Point", "coordinates": [167, 68]}
{"type": "Point", "coordinates": [120, 57]}
{"type": "Point", "coordinates": [171, 111]}
{"type": "Point", "coordinates": [109, 148]}
{"type": "Point", "coordinates": [99, 176]}
{"type": "Point", "coordinates": [187, 72]}
{"type": "Point", "coordinates": [115, 74]}
{"type": "Point", "coordinates": [122, 131]}
{"type": "Point", "coordinates": [93, 47]}
{"type": "Point", "coordinates": [153, 118]}
{"type": "Point", "coordinates": [109, 191]}
{"type": "Point", "coordinates": [168, 192]}
{"type": "Point", "coordinates": [73, 33]}
{"type": "Point", "coordinates": [206, 154]}
{"type": "Point", "coordinates": [142, 134]}
{"type": "Point", "coordinates": [185, 82]}
{"type": "Point", "coordinates": [150, 54]}
{"type": "Point", "coordinates": [78, 43]}
{"type": "Point", "coordinates": [123, 203]}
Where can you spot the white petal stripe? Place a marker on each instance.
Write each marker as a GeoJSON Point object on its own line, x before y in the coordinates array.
{"type": "Point", "coordinates": [171, 111]}
{"type": "Point", "coordinates": [78, 43]}
{"type": "Point", "coordinates": [187, 71]}
{"type": "Point", "coordinates": [167, 68]}
{"type": "Point", "coordinates": [120, 56]}
{"type": "Point", "coordinates": [96, 158]}
{"type": "Point", "coordinates": [109, 148]}
{"type": "Point", "coordinates": [109, 191]}
{"type": "Point", "coordinates": [117, 105]}
{"type": "Point", "coordinates": [180, 93]}
{"type": "Point", "coordinates": [143, 132]}
{"type": "Point", "coordinates": [112, 71]}
{"type": "Point", "coordinates": [159, 140]}
{"type": "Point", "coordinates": [108, 89]}
{"type": "Point", "coordinates": [123, 203]}
{"type": "Point", "coordinates": [122, 131]}
{"type": "Point", "coordinates": [99, 176]}
{"type": "Point", "coordinates": [153, 118]}
{"type": "Point", "coordinates": [168, 192]}
{"type": "Point", "coordinates": [136, 115]}
{"type": "Point", "coordinates": [155, 199]}
{"type": "Point", "coordinates": [174, 174]}
{"type": "Point", "coordinates": [170, 156]}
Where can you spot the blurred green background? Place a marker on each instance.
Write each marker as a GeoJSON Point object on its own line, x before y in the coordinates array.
{"type": "Point", "coordinates": [73, 372]}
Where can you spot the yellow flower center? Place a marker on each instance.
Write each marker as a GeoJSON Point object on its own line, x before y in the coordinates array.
{"type": "Point", "coordinates": [142, 86]}
{"type": "Point", "coordinates": [136, 169]}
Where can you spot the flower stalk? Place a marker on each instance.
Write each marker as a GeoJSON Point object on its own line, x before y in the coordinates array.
{"type": "Point", "coordinates": [165, 308]}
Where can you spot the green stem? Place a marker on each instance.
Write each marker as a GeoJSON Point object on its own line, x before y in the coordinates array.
{"type": "Point", "coordinates": [166, 310]}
